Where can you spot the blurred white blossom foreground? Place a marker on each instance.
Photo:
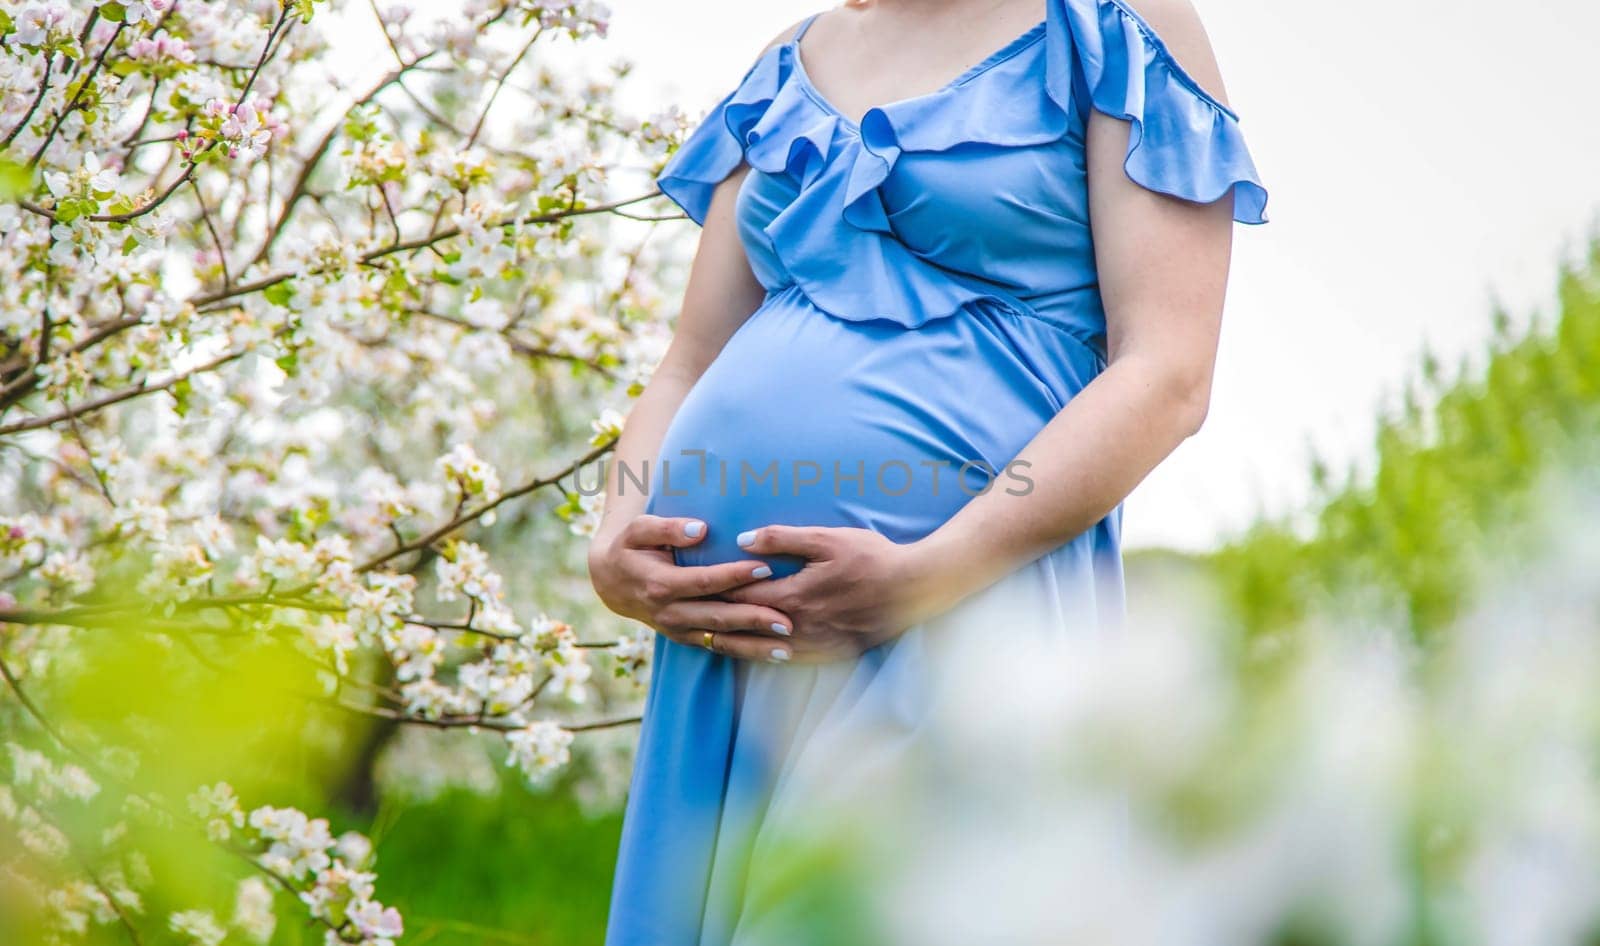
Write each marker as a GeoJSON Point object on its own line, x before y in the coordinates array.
{"type": "Point", "coordinates": [1170, 785]}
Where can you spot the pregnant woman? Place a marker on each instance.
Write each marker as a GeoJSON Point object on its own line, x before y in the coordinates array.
{"type": "Point", "coordinates": [958, 289]}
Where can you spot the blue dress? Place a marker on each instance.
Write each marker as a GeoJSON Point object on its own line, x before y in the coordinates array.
{"type": "Point", "coordinates": [931, 304]}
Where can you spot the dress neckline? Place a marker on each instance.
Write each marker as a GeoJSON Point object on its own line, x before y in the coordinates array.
{"type": "Point", "coordinates": [1012, 47]}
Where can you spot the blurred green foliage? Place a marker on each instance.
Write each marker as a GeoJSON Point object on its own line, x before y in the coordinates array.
{"type": "Point", "coordinates": [1457, 465]}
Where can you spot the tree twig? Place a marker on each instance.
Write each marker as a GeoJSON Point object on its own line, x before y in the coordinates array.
{"type": "Point", "coordinates": [44, 87]}
{"type": "Point", "coordinates": [267, 282]}
{"type": "Point", "coordinates": [463, 518]}
{"type": "Point", "coordinates": [116, 397]}
{"type": "Point", "coordinates": [483, 116]}
{"type": "Point", "coordinates": [83, 84]}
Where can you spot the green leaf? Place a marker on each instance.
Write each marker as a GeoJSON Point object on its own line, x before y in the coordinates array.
{"type": "Point", "coordinates": [74, 207]}
{"type": "Point", "coordinates": [5, 22]}
{"type": "Point", "coordinates": [572, 507]}
{"type": "Point", "coordinates": [15, 179]}
{"type": "Point", "coordinates": [396, 283]}
{"type": "Point", "coordinates": [181, 394]}
{"type": "Point", "coordinates": [114, 12]}
{"type": "Point", "coordinates": [279, 294]}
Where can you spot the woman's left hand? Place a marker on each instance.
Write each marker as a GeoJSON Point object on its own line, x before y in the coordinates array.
{"type": "Point", "coordinates": [856, 590]}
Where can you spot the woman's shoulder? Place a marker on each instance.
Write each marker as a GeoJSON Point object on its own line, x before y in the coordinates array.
{"type": "Point", "coordinates": [1176, 24]}
{"type": "Point", "coordinates": [787, 33]}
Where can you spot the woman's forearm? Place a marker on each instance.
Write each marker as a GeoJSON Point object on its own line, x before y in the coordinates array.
{"type": "Point", "coordinates": [637, 448]}
{"type": "Point", "coordinates": [1078, 468]}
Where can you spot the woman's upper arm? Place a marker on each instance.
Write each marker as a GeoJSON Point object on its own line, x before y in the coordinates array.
{"type": "Point", "coordinates": [1162, 260]}
{"type": "Point", "coordinates": [722, 291]}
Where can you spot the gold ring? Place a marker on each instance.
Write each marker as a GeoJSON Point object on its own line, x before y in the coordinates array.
{"type": "Point", "coordinates": [709, 642]}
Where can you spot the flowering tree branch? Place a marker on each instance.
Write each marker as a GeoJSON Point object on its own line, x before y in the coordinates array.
{"type": "Point", "coordinates": [264, 347]}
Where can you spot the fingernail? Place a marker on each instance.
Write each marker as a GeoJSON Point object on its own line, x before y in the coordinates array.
{"type": "Point", "coordinates": [693, 529]}
{"type": "Point", "coordinates": [779, 655]}
{"type": "Point", "coordinates": [779, 629]}
{"type": "Point", "coordinates": [761, 571]}
{"type": "Point", "coordinates": [747, 539]}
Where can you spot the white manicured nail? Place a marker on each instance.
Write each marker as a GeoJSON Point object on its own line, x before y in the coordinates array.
{"type": "Point", "coordinates": [779, 629]}
{"type": "Point", "coordinates": [746, 539]}
{"type": "Point", "coordinates": [761, 571]}
{"type": "Point", "coordinates": [693, 529]}
{"type": "Point", "coordinates": [780, 656]}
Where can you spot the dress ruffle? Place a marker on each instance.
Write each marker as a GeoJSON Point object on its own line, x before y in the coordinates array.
{"type": "Point", "coordinates": [1183, 143]}
{"type": "Point", "coordinates": [717, 145]}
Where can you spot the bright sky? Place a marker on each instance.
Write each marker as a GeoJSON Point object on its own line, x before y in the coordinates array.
{"type": "Point", "coordinates": [1424, 158]}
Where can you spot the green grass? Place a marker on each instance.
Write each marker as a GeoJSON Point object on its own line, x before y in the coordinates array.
{"type": "Point", "coordinates": [517, 868]}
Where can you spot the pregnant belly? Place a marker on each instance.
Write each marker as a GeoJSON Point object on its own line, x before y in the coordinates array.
{"type": "Point", "coordinates": [804, 419]}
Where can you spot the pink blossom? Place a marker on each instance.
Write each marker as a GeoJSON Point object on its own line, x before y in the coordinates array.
{"type": "Point", "coordinates": [373, 919]}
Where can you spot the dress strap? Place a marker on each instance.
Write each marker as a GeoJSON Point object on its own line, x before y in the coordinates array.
{"type": "Point", "coordinates": [805, 24]}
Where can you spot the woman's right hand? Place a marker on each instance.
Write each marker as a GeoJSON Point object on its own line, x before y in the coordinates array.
{"type": "Point", "coordinates": [634, 573]}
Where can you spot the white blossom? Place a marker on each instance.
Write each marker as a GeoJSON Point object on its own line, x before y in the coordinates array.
{"type": "Point", "coordinates": [38, 20]}
{"type": "Point", "coordinates": [469, 474]}
{"type": "Point", "coordinates": [253, 913]}
{"type": "Point", "coordinates": [146, 11]}
{"type": "Point", "coordinates": [198, 927]}
{"type": "Point", "coordinates": [220, 809]}
{"type": "Point", "coordinates": [539, 749]}
{"type": "Point", "coordinates": [633, 652]}
{"type": "Point", "coordinates": [299, 844]}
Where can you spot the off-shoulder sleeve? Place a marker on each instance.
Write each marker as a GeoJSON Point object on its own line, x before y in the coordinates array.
{"type": "Point", "coordinates": [716, 146]}
{"type": "Point", "coordinates": [1183, 141]}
